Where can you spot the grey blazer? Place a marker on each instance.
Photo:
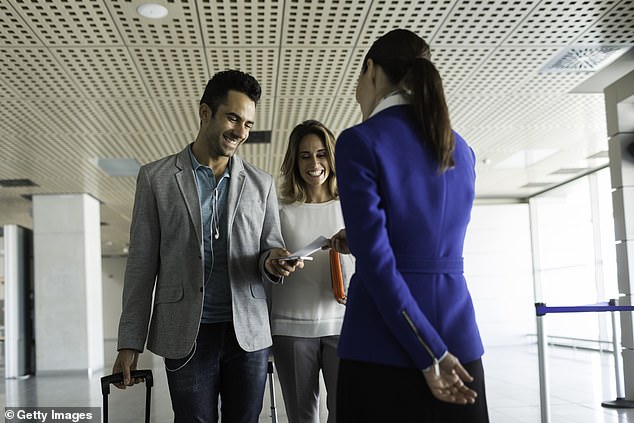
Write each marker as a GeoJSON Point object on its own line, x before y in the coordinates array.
{"type": "Point", "coordinates": [163, 285]}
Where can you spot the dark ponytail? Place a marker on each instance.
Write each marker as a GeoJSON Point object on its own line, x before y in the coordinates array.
{"type": "Point", "coordinates": [430, 107]}
{"type": "Point", "coordinates": [406, 60]}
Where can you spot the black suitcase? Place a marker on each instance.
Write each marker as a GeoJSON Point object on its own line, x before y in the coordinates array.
{"type": "Point", "coordinates": [117, 378]}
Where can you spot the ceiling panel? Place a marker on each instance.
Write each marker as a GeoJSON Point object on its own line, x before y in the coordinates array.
{"type": "Point", "coordinates": [303, 72]}
{"type": "Point", "coordinates": [424, 17]}
{"type": "Point", "coordinates": [34, 72]}
{"type": "Point", "coordinates": [240, 23]}
{"type": "Point", "coordinates": [615, 27]}
{"type": "Point", "coordinates": [319, 24]}
{"type": "Point", "coordinates": [97, 71]}
{"type": "Point", "coordinates": [446, 59]}
{"type": "Point", "coordinates": [63, 23]}
{"type": "Point", "coordinates": [291, 111]}
{"type": "Point", "coordinates": [482, 22]}
{"type": "Point", "coordinates": [223, 58]}
{"type": "Point", "coordinates": [14, 32]}
{"type": "Point", "coordinates": [558, 22]}
{"type": "Point", "coordinates": [171, 71]}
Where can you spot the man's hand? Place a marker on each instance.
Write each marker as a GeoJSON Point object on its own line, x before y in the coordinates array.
{"type": "Point", "coordinates": [339, 242]}
{"type": "Point", "coordinates": [281, 268]}
{"type": "Point", "coordinates": [449, 385]}
{"type": "Point", "coordinates": [126, 361]}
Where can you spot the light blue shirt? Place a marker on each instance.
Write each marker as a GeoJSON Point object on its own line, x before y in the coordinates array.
{"type": "Point", "coordinates": [213, 210]}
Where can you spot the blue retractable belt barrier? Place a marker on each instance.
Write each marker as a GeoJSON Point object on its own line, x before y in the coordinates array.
{"type": "Point", "coordinates": [541, 310]}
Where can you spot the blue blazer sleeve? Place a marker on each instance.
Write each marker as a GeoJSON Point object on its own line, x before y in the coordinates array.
{"type": "Point", "coordinates": [359, 176]}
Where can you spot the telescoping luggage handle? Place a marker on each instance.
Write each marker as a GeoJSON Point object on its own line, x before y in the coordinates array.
{"type": "Point", "coordinates": [118, 378]}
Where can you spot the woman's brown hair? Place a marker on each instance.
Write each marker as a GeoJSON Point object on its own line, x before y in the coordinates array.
{"type": "Point", "coordinates": [406, 60]}
{"type": "Point", "coordinates": [292, 186]}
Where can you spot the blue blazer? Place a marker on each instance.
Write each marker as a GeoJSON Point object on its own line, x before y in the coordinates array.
{"type": "Point", "coordinates": [408, 301]}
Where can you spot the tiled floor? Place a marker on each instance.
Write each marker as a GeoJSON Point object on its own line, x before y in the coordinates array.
{"type": "Point", "coordinates": [579, 381]}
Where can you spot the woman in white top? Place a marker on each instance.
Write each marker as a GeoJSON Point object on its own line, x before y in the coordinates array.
{"type": "Point", "coordinates": [305, 317]}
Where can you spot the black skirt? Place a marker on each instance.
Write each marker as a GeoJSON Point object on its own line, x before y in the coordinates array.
{"type": "Point", "coordinates": [370, 392]}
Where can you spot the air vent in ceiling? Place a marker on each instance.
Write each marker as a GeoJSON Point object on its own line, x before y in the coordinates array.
{"type": "Point", "coordinates": [583, 58]}
{"type": "Point", "coordinates": [13, 183]}
{"type": "Point", "coordinates": [259, 137]}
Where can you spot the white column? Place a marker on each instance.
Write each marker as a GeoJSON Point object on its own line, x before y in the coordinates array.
{"type": "Point", "coordinates": [68, 285]}
{"type": "Point", "coordinates": [619, 102]}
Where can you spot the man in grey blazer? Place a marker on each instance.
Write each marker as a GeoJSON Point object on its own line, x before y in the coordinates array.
{"type": "Point", "coordinates": [204, 240]}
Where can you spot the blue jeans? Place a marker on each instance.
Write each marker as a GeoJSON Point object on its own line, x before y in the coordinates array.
{"type": "Point", "coordinates": [217, 367]}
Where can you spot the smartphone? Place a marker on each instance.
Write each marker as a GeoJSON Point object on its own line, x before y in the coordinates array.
{"type": "Point", "coordinates": [294, 258]}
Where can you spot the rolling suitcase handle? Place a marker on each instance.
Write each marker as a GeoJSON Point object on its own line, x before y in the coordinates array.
{"type": "Point", "coordinates": [272, 392]}
{"type": "Point", "coordinates": [117, 378]}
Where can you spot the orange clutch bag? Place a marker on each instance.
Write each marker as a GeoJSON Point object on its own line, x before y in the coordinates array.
{"type": "Point", "coordinates": [337, 278]}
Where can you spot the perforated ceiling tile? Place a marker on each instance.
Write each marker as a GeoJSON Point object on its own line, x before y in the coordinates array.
{"type": "Point", "coordinates": [466, 110]}
{"type": "Point", "coordinates": [239, 23]}
{"type": "Point", "coordinates": [492, 125]}
{"type": "Point", "coordinates": [549, 83]}
{"type": "Point", "coordinates": [14, 117]}
{"type": "Point", "coordinates": [311, 71]}
{"type": "Point", "coordinates": [59, 23]}
{"type": "Point", "coordinates": [423, 17]}
{"type": "Point", "coordinates": [144, 147]}
{"type": "Point", "coordinates": [291, 111]}
{"type": "Point", "coordinates": [615, 27]}
{"type": "Point", "coordinates": [506, 69]}
{"type": "Point", "coordinates": [35, 73]}
{"type": "Point", "coordinates": [125, 116]}
{"type": "Point", "coordinates": [259, 62]}
{"type": "Point", "coordinates": [558, 22]}
{"type": "Point", "coordinates": [179, 115]}
{"type": "Point", "coordinates": [14, 31]}
{"type": "Point", "coordinates": [179, 28]}
{"type": "Point", "coordinates": [279, 145]}
{"type": "Point", "coordinates": [64, 116]}
{"type": "Point", "coordinates": [344, 113]}
{"type": "Point", "coordinates": [264, 117]}
{"type": "Point", "coordinates": [482, 22]}
{"type": "Point", "coordinates": [455, 65]}
{"type": "Point", "coordinates": [97, 71]}
{"type": "Point", "coordinates": [350, 75]}
{"type": "Point", "coordinates": [172, 72]}
{"type": "Point", "coordinates": [332, 23]}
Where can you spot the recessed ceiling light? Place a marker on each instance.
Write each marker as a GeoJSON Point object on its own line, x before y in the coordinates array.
{"type": "Point", "coordinates": [152, 11]}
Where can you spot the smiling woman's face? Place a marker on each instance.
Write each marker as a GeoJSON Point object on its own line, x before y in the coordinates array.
{"type": "Point", "coordinates": [312, 161]}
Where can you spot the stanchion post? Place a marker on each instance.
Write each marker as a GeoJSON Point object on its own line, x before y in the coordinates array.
{"type": "Point", "coordinates": [618, 361]}
{"type": "Point", "coordinates": [621, 401]}
{"type": "Point", "coordinates": [543, 365]}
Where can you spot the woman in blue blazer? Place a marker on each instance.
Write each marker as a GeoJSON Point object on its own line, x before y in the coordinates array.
{"type": "Point", "coordinates": [410, 345]}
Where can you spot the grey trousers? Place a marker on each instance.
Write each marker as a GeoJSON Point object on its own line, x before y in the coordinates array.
{"type": "Point", "coordinates": [298, 361]}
